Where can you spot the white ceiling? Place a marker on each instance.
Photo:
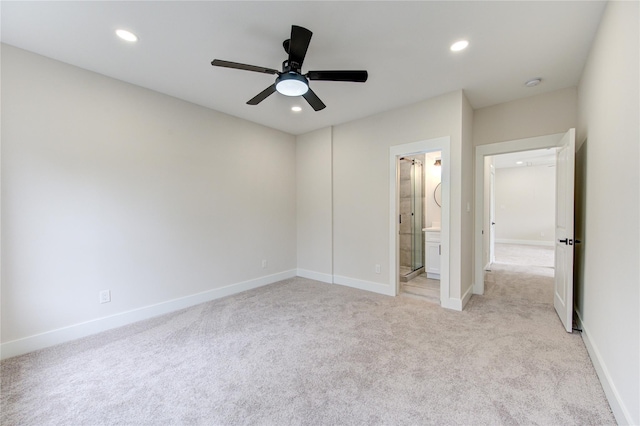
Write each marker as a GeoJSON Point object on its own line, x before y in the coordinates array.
{"type": "Point", "coordinates": [403, 45]}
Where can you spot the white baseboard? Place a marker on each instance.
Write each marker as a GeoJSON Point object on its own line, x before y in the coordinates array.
{"type": "Point", "coordinates": [467, 296]}
{"type": "Point", "coordinates": [76, 331]}
{"type": "Point", "coordinates": [525, 242]}
{"type": "Point", "coordinates": [457, 304]}
{"type": "Point", "coordinates": [313, 275]}
{"type": "Point", "coordinates": [620, 411]}
{"type": "Point", "coordinates": [451, 303]}
{"type": "Point", "coordinates": [478, 286]}
{"type": "Point", "coordinates": [365, 285]}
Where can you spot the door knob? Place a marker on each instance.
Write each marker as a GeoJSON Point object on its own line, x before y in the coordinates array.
{"type": "Point", "coordinates": [566, 241]}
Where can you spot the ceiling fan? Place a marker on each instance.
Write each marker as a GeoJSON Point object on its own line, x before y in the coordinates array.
{"type": "Point", "coordinates": [291, 81]}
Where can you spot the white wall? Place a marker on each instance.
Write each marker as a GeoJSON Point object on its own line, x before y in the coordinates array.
{"type": "Point", "coordinates": [525, 205]}
{"type": "Point", "coordinates": [432, 178]}
{"type": "Point", "coordinates": [608, 279]}
{"type": "Point", "coordinates": [361, 187]}
{"type": "Point", "coordinates": [466, 203]}
{"type": "Point", "coordinates": [542, 116]}
{"type": "Point", "coordinates": [314, 204]}
{"type": "Point", "coordinates": [539, 115]}
{"type": "Point", "coordinates": [359, 213]}
{"type": "Point", "coordinates": [106, 185]}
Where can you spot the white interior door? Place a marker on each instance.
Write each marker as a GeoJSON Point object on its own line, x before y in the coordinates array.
{"type": "Point", "coordinates": [563, 289]}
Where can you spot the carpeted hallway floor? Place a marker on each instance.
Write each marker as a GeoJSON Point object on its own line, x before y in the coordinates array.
{"type": "Point", "coordinates": [521, 273]}
{"type": "Point", "coordinates": [304, 352]}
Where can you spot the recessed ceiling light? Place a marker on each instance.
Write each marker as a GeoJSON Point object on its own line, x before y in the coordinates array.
{"type": "Point", "coordinates": [127, 35]}
{"type": "Point", "coordinates": [296, 108]}
{"type": "Point", "coordinates": [533, 82]}
{"type": "Point", "coordinates": [519, 162]}
{"type": "Point", "coordinates": [459, 45]}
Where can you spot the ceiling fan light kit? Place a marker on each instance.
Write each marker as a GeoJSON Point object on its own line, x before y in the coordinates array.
{"type": "Point", "coordinates": [291, 81]}
{"type": "Point", "coordinates": [292, 84]}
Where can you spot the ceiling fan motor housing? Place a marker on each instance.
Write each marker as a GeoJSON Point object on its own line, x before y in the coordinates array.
{"type": "Point", "coordinates": [291, 66]}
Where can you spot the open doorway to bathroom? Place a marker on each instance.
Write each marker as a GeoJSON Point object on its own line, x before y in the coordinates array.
{"type": "Point", "coordinates": [420, 203]}
{"type": "Point", "coordinates": [425, 149]}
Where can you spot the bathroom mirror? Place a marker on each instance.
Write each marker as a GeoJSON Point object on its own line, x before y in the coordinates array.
{"type": "Point", "coordinates": [437, 194]}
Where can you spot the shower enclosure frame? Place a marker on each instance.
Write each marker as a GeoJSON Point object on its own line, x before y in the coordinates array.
{"type": "Point", "coordinates": [414, 217]}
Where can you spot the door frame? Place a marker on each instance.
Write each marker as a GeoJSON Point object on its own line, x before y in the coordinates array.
{"type": "Point", "coordinates": [492, 216]}
{"type": "Point", "coordinates": [482, 151]}
{"type": "Point", "coordinates": [442, 144]}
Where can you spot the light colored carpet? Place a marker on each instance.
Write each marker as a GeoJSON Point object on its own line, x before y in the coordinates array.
{"type": "Point", "coordinates": [524, 255]}
{"type": "Point", "coordinates": [521, 272]}
{"type": "Point", "coordinates": [516, 282]}
{"type": "Point", "coordinates": [303, 352]}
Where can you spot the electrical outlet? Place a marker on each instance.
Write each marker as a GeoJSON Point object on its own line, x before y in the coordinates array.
{"type": "Point", "coordinates": [105, 296]}
{"type": "Point", "coordinates": [264, 263]}
{"type": "Point", "coordinates": [377, 269]}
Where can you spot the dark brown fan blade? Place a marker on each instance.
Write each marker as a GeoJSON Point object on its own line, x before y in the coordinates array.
{"type": "Point", "coordinates": [227, 64]}
{"type": "Point", "coordinates": [300, 39]}
{"type": "Point", "coordinates": [262, 95]}
{"type": "Point", "coordinates": [314, 100]}
{"type": "Point", "coordinates": [355, 76]}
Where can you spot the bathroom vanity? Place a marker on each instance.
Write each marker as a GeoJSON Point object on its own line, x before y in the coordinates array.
{"type": "Point", "coordinates": [433, 252]}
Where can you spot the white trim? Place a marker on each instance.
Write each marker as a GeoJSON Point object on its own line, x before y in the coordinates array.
{"type": "Point", "coordinates": [467, 296]}
{"type": "Point", "coordinates": [76, 331]}
{"type": "Point", "coordinates": [457, 304]}
{"type": "Point", "coordinates": [525, 242]}
{"type": "Point", "coordinates": [442, 144]}
{"type": "Point", "coordinates": [333, 204]}
{"type": "Point", "coordinates": [453, 304]}
{"type": "Point", "coordinates": [313, 275]}
{"type": "Point", "coordinates": [365, 285]}
{"type": "Point", "coordinates": [620, 411]}
{"type": "Point", "coordinates": [482, 151]}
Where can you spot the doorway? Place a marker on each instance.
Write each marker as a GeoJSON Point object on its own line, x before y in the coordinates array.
{"type": "Point", "coordinates": [483, 221]}
{"type": "Point", "coordinates": [521, 224]}
{"type": "Point", "coordinates": [409, 153]}
{"type": "Point", "coordinates": [419, 221]}
{"type": "Point", "coordinates": [564, 144]}
{"type": "Point", "coordinates": [521, 198]}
